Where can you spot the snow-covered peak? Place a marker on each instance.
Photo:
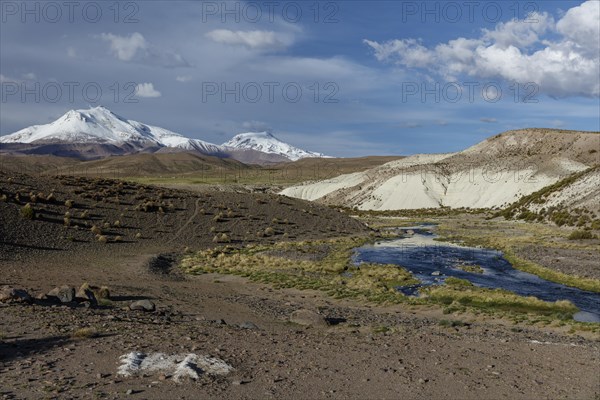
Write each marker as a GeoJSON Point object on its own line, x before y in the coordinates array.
{"type": "Point", "coordinates": [100, 125]}
{"type": "Point", "coordinates": [267, 143]}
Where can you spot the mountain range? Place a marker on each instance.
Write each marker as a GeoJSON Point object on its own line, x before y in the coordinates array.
{"type": "Point", "coordinates": [98, 132]}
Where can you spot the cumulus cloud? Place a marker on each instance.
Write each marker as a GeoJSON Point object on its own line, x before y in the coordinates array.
{"type": "Point", "coordinates": [146, 90]}
{"type": "Point", "coordinates": [125, 47]}
{"type": "Point", "coordinates": [136, 48]}
{"type": "Point", "coordinates": [562, 58]}
{"type": "Point", "coordinates": [265, 40]}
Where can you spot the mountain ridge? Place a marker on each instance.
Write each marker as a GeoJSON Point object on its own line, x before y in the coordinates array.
{"type": "Point", "coordinates": [267, 143]}
{"type": "Point", "coordinates": [100, 132]}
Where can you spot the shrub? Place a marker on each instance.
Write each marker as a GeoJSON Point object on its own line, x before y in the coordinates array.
{"type": "Point", "coordinates": [102, 293]}
{"type": "Point", "coordinates": [221, 238]}
{"type": "Point", "coordinates": [269, 231]}
{"type": "Point", "coordinates": [85, 333]}
{"type": "Point", "coordinates": [457, 282]}
{"type": "Point", "coordinates": [118, 239]}
{"type": "Point", "coordinates": [27, 211]}
{"type": "Point", "coordinates": [138, 235]}
{"type": "Point", "coordinates": [577, 235]}
{"type": "Point", "coordinates": [69, 203]}
{"type": "Point", "coordinates": [117, 223]}
{"type": "Point", "coordinates": [102, 239]}
{"type": "Point", "coordinates": [95, 230]}
{"type": "Point", "coordinates": [218, 217]}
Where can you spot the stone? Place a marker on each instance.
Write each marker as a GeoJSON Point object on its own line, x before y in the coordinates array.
{"type": "Point", "coordinates": [85, 295]}
{"type": "Point", "coordinates": [8, 293]}
{"type": "Point", "coordinates": [436, 273]}
{"type": "Point", "coordinates": [142, 305]}
{"type": "Point", "coordinates": [64, 294]}
{"type": "Point", "coordinates": [307, 318]}
{"type": "Point", "coordinates": [249, 325]}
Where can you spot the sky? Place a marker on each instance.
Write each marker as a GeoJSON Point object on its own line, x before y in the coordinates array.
{"type": "Point", "coordinates": [344, 78]}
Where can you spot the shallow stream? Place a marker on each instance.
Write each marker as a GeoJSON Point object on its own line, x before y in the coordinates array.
{"type": "Point", "coordinates": [432, 262]}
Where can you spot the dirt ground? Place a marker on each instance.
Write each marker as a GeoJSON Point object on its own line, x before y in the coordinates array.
{"type": "Point", "coordinates": [365, 352]}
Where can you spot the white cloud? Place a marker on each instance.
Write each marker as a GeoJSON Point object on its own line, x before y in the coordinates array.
{"type": "Point", "coordinates": [183, 79]}
{"type": "Point", "coordinates": [580, 25]}
{"type": "Point", "coordinates": [29, 76]}
{"type": "Point", "coordinates": [123, 47]}
{"type": "Point", "coordinates": [3, 79]}
{"type": "Point", "coordinates": [71, 52]}
{"type": "Point", "coordinates": [268, 40]}
{"type": "Point", "coordinates": [136, 48]}
{"type": "Point", "coordinates": [565, 64]}
{"type": "Point", "coordinates": [520, 33]}
{"type": "Point", "coordinates": [146, 90]}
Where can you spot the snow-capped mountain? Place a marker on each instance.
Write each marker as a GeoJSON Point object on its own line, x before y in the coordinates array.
{"type": "Point", "coordinates": [267, 143]}
{"type": "Point", "coordinates": [99, 125]}
{"type": "Point", "coordinates": [98, 132]}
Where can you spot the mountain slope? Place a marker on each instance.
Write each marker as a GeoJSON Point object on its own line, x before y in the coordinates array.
{"type": "Point", "coordinates": [493, 173]}
{"type": "Point", "coordinates": [267, 143]}
{"type": "Point", "coordinates": [571, 201]}
{"type": "Point", "coordinates": [99, 125]}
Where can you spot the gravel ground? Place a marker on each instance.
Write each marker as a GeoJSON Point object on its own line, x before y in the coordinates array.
{"type": "Point", "coordinates": [364, 352]}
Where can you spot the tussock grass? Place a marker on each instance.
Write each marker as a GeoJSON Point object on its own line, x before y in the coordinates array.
{"type": "Point", "coordinates": [589, 284]}
{"type": "Point", "coordinates": [372, 282]}
{"type": "Point", "coordinates": [498, 299]}
{"type": "Point", "coordinates": [85, 333]}
{"type": "Point", "coordinates": [476, 269]}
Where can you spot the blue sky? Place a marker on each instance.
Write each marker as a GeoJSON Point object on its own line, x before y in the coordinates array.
{"type": "Point", "coordinates": [375, 77]}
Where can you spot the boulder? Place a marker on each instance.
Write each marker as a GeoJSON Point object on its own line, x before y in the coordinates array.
{"type": "Point", "coordinates": [8, 293]}
{"type": "Point", "coordinates": [308, 318]}
{"type": "Point", "coordinates": [249, 325]}
{"type": "Point", "coordinates": [86, 295]}
{"type": "Point", "coordinates": [64, 294]}
{"type": "Point", "coordinates": [142, 305]}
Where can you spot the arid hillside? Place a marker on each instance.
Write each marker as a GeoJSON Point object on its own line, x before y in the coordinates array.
{"type": "Point", "coordinates": [494, 173]}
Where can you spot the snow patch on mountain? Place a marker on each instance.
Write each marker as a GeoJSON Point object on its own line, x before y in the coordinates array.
{"type": "Point", "coordinates": [267, 143]}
